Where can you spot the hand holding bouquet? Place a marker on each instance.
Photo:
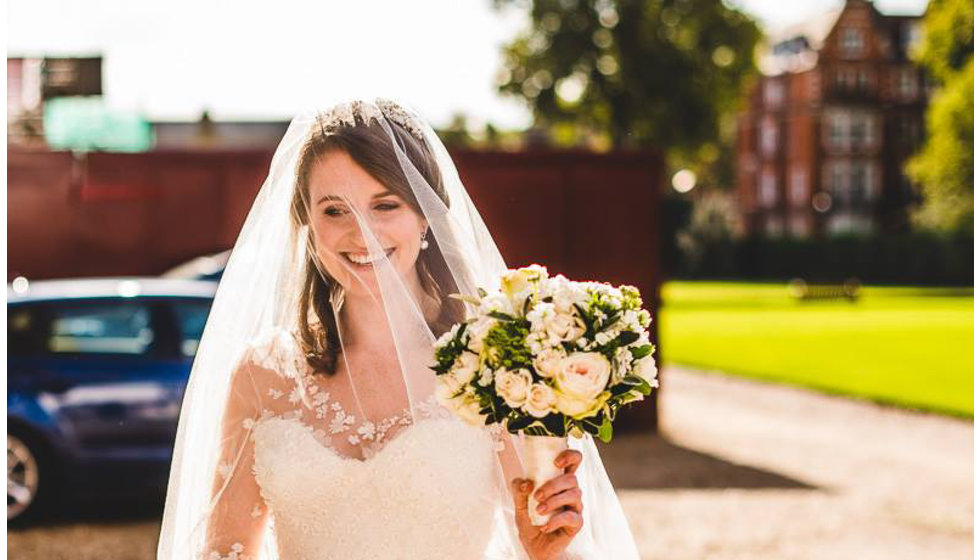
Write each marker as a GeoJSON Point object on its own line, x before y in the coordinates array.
{"type": "Point", "coordinates": [547, 356]}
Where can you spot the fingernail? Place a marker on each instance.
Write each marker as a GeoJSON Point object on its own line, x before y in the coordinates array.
{"type": "Point", "coordinates": [526, 486]}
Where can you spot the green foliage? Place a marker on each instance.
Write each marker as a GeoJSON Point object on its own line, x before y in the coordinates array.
{"type": "Point", "coordinates": [510, 348]}
{"type": "Point", "coordinates": [641, 73]}
{"type": "Point", "coordinates": [944, 166]}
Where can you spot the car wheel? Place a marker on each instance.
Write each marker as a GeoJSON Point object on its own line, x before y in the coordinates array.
{"type": "Point", "coordinates": [24, 480]}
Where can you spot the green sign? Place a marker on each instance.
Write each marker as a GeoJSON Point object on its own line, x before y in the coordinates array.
{"type": "Point", "coordinates": [85, 124]}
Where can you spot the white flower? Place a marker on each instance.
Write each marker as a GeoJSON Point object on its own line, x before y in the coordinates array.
{"type": "Point", "coordinates": [557, 326]}
{"type": "Point", "coordinates": [495, 302]}
{"type": "Point", "coordinates": [465, 367]}
{"type": "Point", "coordinates": [623, 361]}
{"type": "Point", "coordinates": [446, 390]}
{"type": "Point", "coordinates": [540, 400]}
{"type": "Point", "coordinates": [548, 361]}
{"type": "Point", "coordinates": [486, 377]}
{"type": "Point", "coordinates": [477, 331]}
{"type": "Point", "coordinates": [603, 337]}
{"type": "Point", "coordinates": [646, 369]}
{"type": "Point", "coordinates": [580, 384]}
{"type": "Point", "coordinates": [469, 410]}
{"type": "Point", "coordinates": [513, 386]}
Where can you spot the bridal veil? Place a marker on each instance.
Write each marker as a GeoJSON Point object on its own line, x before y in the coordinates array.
{"type": "Point", "coordinates": [335, 292]}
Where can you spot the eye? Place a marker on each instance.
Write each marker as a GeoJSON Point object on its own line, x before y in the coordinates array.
{"type": "Point", "coordinates": [387, 206]}
{"type": "Point", "coordinates": [333, 211]}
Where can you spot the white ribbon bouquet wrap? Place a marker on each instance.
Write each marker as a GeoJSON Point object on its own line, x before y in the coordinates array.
{"type": "Point", "coordinates": [549, 358]}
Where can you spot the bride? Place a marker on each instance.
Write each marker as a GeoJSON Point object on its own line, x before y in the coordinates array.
{"type": "Point", "coordinates": [310, 427]}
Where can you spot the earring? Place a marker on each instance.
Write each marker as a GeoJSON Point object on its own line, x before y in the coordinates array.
{"type": "Point", "coordinates": [425, 244]}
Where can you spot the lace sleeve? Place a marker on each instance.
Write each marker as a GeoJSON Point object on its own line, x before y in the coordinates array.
{"type": "Point", "coordinates": [238, 514]}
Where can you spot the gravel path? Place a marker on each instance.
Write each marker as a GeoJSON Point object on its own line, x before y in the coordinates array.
{"type": "Point", "coordinates": [743, 470]}
{"type": "Point", "coordinates": [753, 470]}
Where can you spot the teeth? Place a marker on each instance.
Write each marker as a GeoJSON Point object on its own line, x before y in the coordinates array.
{"type": "Point", "coordinates": [364, 258]}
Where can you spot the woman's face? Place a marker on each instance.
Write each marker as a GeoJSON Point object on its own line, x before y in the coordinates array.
{"type": "Point", "coordinates": [339, 187]}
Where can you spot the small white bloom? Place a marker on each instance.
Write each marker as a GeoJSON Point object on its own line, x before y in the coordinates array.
{"type": "Point", "coordinates": [646, 369]}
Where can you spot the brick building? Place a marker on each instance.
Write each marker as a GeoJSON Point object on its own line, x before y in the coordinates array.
{"type": "Point", "coordinates": [827, 127]}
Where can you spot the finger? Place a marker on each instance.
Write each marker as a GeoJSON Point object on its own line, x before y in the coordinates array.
{"type": "Point", "coordinates": [571, 498]}
{"type": "Point", "coordinates": [520, 488]}
{"type": "Point", "coordinates": [555, 485]}
{"type": "Point", "coordinates": [569, 459]}
{"type": "Point", "coordinates": [567, 518]}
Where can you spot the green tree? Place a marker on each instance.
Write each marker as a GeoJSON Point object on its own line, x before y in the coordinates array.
{"type": "Point", "coordinates": [944, 166]}
{"type": "Point", "coordinates": [634, 72]}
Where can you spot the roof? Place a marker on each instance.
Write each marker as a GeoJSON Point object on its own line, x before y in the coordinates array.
{"type": "Point", "coordinates": [126, 286]}
{"type": "Point", "coordinates": [799, 44]}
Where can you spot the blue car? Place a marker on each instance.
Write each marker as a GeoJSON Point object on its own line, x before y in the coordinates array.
{"type": "Point", "coordinates": [96, 372]}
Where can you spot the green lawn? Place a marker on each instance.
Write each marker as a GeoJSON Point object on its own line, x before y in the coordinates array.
{"type": "Point", "coordinates": [907, 346]}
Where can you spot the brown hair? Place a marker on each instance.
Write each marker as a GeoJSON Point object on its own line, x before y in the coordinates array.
{"type": "Point", "coordinates": [370, 146]}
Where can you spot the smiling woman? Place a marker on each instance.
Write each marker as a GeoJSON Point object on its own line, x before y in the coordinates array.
{"type": "Point", "coordinates": [310, 427]}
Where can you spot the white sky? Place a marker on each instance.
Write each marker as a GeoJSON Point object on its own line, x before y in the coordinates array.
{"type": "Point", "coordinates": [267, 60]}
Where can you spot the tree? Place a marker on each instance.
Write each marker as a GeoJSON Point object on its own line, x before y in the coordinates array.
{"type": "Point", "coordinates": [637, 72]}
{"type": "Point", "coordinates": [944, 166]}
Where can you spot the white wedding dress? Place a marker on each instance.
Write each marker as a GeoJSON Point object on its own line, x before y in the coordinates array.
{"type": "Point", "coordinates": [417, 494]}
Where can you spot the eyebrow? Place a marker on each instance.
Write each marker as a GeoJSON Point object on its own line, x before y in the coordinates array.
{"type": "Point", "coordinates": [340, 199]}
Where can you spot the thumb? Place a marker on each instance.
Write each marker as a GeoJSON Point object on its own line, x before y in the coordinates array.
{"type": "Point", "coordinates": [521, 489]}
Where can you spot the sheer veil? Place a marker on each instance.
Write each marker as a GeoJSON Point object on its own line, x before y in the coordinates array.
{"type": "Point", "coordinates": [335, 292]}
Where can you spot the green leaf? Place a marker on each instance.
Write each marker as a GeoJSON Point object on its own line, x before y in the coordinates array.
{"type": "Point", "coordinates": [605, 431]}
{"type": "Point", "coordinates": [627, 337]}
{"type": "Point", "coordinates": [641, 351]}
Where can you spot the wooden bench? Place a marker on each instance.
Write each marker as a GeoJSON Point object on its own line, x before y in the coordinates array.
{"type": "Point", "coordinates": [802, 290]}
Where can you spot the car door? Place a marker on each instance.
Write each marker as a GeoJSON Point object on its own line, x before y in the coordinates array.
{"type": "Point", "coordinates": [112, 376]}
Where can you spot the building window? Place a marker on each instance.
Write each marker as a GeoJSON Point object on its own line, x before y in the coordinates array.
{"type": "Point", "coordinates": [773, 93]}
{"type": "Point", "coordinates": [851, 41]}
{"type": "Point", "coordinates": [863, 82]}
{"type": "Point", "coordinates": [850, 129]}
{"type": "Point", "coordinates": [768, 136]}
{"type": "Point", "coordinates": [849, 222]}
{"type": "Point", "coordinates": [767, 189]}
{"type": "Point", "coordinates": [774, 226]}
{"type": "Point", "coordinates": [907, 83]}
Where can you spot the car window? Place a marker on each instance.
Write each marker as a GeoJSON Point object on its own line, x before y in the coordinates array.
{"type": "Point", "coordinates": [22, 330]}
{"type": "Point", "coordinates": [113, 327]}
{"type": "Point", "coordinates": [191, 316]}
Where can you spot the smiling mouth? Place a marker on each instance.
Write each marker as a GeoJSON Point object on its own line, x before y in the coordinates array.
{"type": "Point", "coordinates": [365, 259]}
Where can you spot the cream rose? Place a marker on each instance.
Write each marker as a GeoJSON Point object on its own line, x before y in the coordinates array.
{"type": "Point", "coordinates": [540, 400]}
{"type": "Point", "coordinates": [469, 410]}
{"type": "Point", "coordinates": [548, 361]}
{"type": "Point", "coordinates": [513, 386]}
{"type": "Point", "coordinates": [465, 367]}
{"type": "Point", "coordinates": [580, 384]}
{"type": "Point", "coordinates": [564, 327]}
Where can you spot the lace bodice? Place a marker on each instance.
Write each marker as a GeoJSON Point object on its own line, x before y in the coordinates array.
{"type": "Point", "coordinates": [334, 485]}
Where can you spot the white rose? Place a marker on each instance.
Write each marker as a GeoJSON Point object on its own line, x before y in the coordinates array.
{"type": "Point", "coordinates": [446, 388]}
{"type": "Point", "coordinates": [548, 361]}
{"type": "Point", "coordinates": [513, 386]}
{"type": "Point", "coordinates": [646, 369]}
{"type": "Point", "coordinates": [465, 367]}
{"type": "Point", "coordinates": [564, 327]}
{"type": "Point", "coordinates": [540, 400]}
{"type": "Point", "coordinates": [579, 382]}
{"type": "Point", "coordinates": [469, 410]}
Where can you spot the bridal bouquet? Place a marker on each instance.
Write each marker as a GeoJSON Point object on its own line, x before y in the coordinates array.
{"type": "Point", "coordinates": [547, 356]}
